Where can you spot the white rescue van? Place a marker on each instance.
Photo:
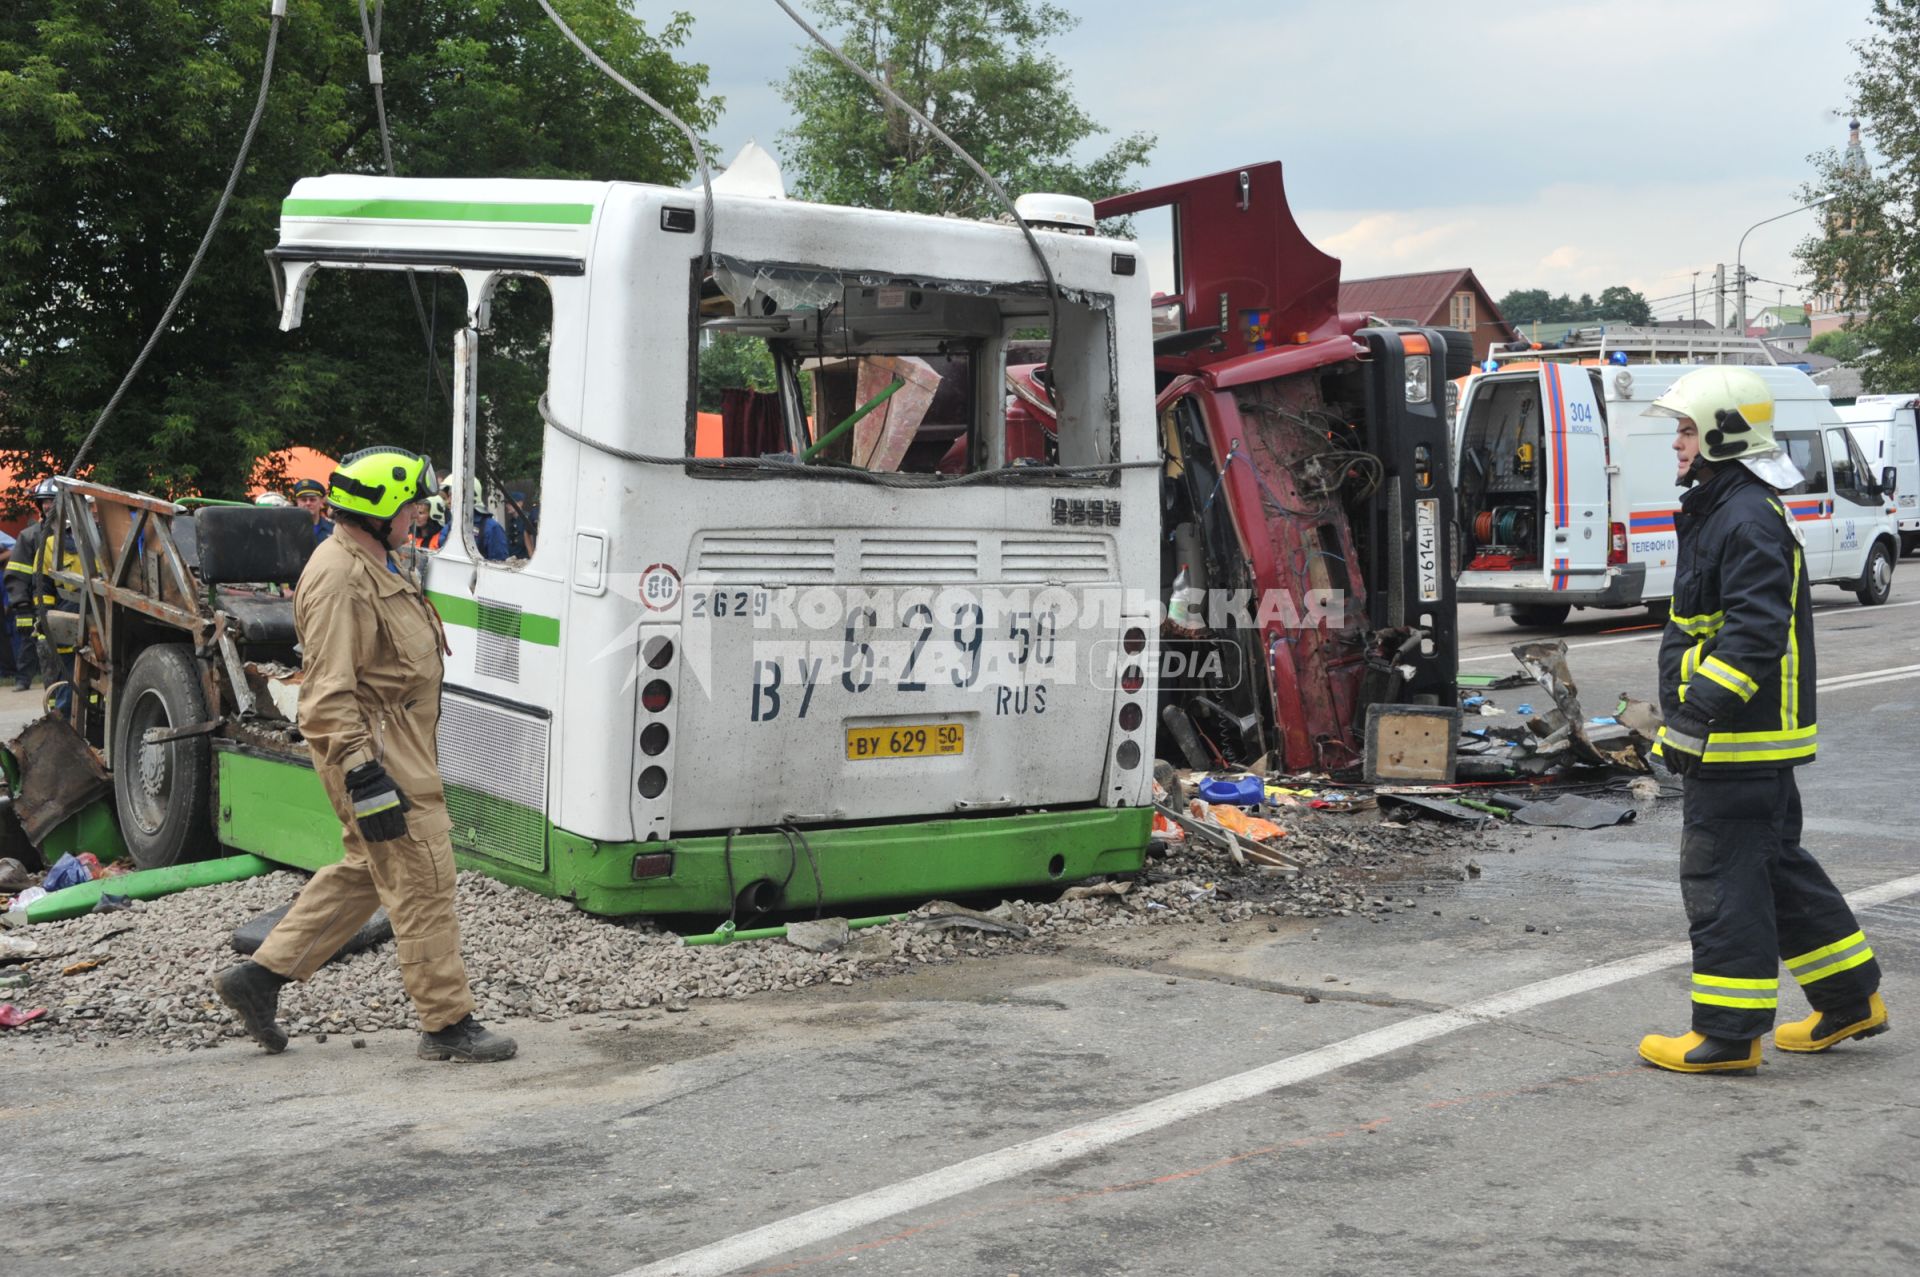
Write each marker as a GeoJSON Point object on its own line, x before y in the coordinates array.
{"type": "Point", "coordinates": [1567, 494]}
{"type": "Point", "coordinates": [1887, 431]}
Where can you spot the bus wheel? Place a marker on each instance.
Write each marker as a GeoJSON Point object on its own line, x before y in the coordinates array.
{"type": "Point", "coordinates": [163, 793]}
{"type": "Point", "coordinates": [1875, 585]}
{"type": "Point", "coordinates": [1541, 616]}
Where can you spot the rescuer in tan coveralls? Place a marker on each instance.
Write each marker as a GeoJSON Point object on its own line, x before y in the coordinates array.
{"type": "Point", "coordinates": [370, 711]}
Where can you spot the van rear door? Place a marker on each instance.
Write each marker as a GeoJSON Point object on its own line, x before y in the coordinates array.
{"type": "Point", "coordinates": [1574, 518]}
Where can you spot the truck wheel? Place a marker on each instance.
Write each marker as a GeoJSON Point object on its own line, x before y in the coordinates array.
{"type": "Point", "coordinates": [1541, 616]}
{"type": "Point", "coordinates": [163, 793]}
{"type": "Point", "coordinates": [1875, 585]}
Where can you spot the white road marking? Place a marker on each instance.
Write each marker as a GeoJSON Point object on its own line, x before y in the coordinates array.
{"type": "Point", "coordinates": [1841, 682]}
{"type": "Point", "coordinates": [810, 1228]}
{"type": "Point", "coordinates": [1818, 608]}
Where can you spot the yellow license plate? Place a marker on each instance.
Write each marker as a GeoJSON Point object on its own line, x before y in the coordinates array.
{"type": "Point", "coordinates": [916, 740]}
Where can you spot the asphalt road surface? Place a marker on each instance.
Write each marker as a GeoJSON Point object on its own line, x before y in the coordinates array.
{"type": "Point", "coordinates": [1458, 1096]}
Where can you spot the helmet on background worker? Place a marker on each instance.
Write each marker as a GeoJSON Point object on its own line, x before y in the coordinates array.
{"type": "Point", "coordinates": [1732, 409]}
{"type": "Point", "coordinates": [273, 499]}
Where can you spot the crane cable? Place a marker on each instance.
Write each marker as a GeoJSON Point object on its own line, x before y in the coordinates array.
{"type": "Point", "coordinates": [693, 139]}
{"type": "Point", "coordinates": [1000, 192]}
{"type": "Point", "coordinates": [277, 15]}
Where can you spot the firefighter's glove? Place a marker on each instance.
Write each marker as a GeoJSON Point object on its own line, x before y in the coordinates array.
{"type": "Point", "coordinates": [1683, 740]}
{"type": "Point", "coordinates": [378, 804]}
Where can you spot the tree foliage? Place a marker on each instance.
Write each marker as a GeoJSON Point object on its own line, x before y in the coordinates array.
{"type": "Point", "coordinates": [1843, 344]}
{"type": "Point", "coordinates": [979, 70]}
{"type": "Point", "coordinates": [1530, 305]}
{"type": "Point", "coordinates": [1862, 258]}
{"type": "Point", "coordinates": [118, 125]}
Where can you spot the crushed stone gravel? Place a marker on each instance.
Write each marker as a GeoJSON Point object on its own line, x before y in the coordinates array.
{"type": "Point", "coordinates": [533, 958]}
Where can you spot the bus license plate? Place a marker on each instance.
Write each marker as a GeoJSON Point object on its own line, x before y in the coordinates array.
{"type": "Point", "coordinates": [919, 740]}
{"type": "Point", "coordinates": [1426, 547]}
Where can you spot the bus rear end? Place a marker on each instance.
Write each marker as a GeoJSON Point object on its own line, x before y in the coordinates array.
{"type": "Point", "coordinates": [877, 657]}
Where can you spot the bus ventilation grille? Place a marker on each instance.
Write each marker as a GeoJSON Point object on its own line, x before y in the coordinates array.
{"type": "Point", "coordinates": [759, 557]}
{"type": "Point", "coordinates": [929, 560]}
{"type": "Point", "coordinates": [495, 764]}
{"type": "Point", "coordinates": [1064, 558]}
{"type": "Point", "coordinates": [497, 650]}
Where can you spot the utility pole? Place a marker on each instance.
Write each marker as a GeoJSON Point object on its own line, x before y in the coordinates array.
{"type": "Point", "coordinates": [1695, 293]}
{"type": "Point", "coordinates": [1720, 295]}
{"type": "Point", "coordinates": [1739, 256]}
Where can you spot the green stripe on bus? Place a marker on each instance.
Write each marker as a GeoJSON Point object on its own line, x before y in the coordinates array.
{"type": "Point", "coordinates": [529, 627]}
{"type": "Point", "coordinates": [440, 211]}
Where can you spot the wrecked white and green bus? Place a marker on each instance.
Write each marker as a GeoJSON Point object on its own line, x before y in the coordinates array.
{"type": "Point", "coordinates": [855, 645]}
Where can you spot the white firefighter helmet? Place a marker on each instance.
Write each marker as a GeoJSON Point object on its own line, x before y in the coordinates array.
{"type": "Point", "coordinates": [1732, 409]}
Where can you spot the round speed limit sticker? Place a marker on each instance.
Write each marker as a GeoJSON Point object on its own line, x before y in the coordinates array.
{"type": "Point", "coordinates": [659, 587]}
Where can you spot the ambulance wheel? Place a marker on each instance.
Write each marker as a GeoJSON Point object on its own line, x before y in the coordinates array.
{"type": "Point", "coordinates": [1541, 616]}
{"type": "Point", "coordinates": [163, 793]}
{"type": "Point", "coordinates": [1875, 585]}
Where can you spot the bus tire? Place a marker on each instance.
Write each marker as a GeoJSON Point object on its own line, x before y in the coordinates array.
{"type": "Point", "coordinates": [163, 793]}
{"type": "Point", "coordinates": [1875, 585]}
{"type": "Point", "coordinates": [1541, 616]}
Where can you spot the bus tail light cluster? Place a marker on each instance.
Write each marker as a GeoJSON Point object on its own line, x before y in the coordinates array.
{"type": "Point", "coordinates": [1131, 711]}
{"type": "Point", "coordinates": [658, 717]}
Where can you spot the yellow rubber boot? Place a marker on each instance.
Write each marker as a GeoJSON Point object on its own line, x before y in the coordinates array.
{"type": "Point", "coordinates": [1695, 1053]}
{"type": "Point", "coordinates": [1824, 1029]}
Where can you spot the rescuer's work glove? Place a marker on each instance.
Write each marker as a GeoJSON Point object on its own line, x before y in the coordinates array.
{"type": "Point", "coordinates": [1683, 740]}
{"type": "Point", "coordinates": [378, 804]}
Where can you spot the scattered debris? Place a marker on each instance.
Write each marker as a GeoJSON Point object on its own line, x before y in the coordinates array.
{"type": "Point", "coordinates": [1573, 811]}
{"type": "Point", "coordinates": [943, 915]}
{"type": "Point", "coordinates": [12, 1017]}
{"type": "Point", "coordinates": [823, 935]}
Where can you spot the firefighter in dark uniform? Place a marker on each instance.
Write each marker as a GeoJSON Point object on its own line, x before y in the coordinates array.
{"type": "Point", "coordinates": [22, 607]}
{"type": "Point", "coordinates": [1736, 688]}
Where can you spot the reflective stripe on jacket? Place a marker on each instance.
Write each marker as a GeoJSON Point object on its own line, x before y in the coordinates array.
{"type": "Point", "coordinates": [1738, 648]}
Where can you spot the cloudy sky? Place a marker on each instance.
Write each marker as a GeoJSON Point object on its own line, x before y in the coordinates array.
{"type": "Point", "coordinates": [1564, 144]}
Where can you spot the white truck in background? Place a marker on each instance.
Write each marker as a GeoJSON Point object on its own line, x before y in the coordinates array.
{"type": "Point", "coordinates": [1566, 496]}
{"type": "Point", "coordinates": [1885, 426]}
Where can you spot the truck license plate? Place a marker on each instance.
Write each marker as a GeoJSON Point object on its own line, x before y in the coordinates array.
{"type": "Point", "coordinates": [1426, 544]}
{"type": "Point", "coordinates": [916, 740]}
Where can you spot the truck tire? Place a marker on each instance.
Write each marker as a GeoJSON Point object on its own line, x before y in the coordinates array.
{"type": "Point", "coordinates": [1541, 616]}
{"type": "Point", "coordinates": [163, 793]}
{"type": "Point", "coordinates": [1875, 585]}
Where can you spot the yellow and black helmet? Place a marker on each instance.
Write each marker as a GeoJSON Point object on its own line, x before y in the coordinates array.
{"type": "Point", "coordinates": [376, 482]}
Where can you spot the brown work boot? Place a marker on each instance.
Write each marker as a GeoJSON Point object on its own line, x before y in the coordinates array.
{"type": "Point", "coordinates": [466, 1041]}
{"type": "Point", "coordinates": [254, 992]}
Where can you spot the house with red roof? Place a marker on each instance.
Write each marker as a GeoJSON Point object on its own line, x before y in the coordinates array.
{"type": "Point", "coordinates": [1438, 299]}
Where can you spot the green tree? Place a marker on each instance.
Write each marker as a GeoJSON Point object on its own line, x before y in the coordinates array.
{"type": "Point", "coordinates": [979, 70]}
{"type": "Point", "coordinates": [1843, 344]}
{"type": "Point", "coordinates": [1861, 259]}
{"type": "Point", "coordinates": [1621, 302]}
{"type": "Point", "coordinates": [1525, 305]}
{"type": "Point", "coordinates": [731, 361]}
{"type": "Point", "coordinates": [118, 124]}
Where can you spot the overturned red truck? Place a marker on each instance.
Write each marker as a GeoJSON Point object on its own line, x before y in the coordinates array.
{"type": "Point", "coordinates": [1307, 524]}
